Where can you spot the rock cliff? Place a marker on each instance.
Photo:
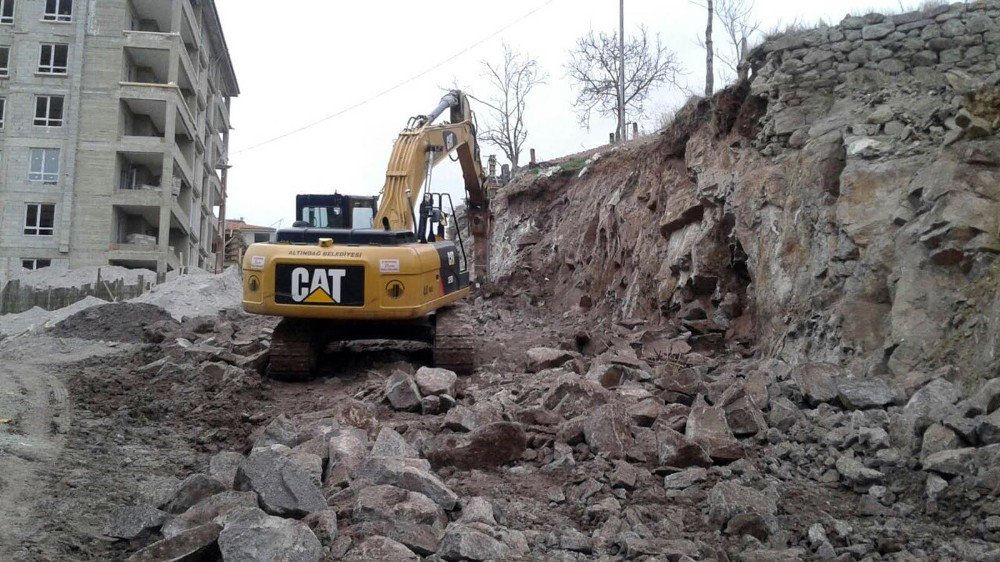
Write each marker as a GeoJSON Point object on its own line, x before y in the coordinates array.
{"type": "Point", "coordinates": [839, 206]}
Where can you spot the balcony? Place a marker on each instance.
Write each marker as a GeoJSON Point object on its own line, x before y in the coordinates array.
{"type": "Point", "coordinates": [153, 15]}
{"type": "Point", "coordinates": [152, 92]}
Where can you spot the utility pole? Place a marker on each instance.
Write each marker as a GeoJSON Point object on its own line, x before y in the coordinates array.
{"type": "Point", "coordinates": [709, 55]}
{"type": "Point", "coordinates": [621, 70]}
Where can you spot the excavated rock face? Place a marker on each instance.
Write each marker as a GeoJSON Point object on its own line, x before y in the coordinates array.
{"type": "Point", "coordinates": [840, 207]}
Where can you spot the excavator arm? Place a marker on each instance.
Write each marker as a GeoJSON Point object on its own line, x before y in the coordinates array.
{"type": "Point", "coordinates": [421, 146]}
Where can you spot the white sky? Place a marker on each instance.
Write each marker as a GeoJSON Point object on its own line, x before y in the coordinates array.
{"type": "Point", "coordinates": [299, 61]}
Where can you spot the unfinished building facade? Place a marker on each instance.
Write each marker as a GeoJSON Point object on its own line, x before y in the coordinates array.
{"type": "Point", "coordinates": [114, 133]}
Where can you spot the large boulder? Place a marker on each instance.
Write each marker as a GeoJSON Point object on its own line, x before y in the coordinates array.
{"type": "Point", "coordinates": [284, 487]}
{"type": "Point", "coordinates": [608, 431]}
{"type": "Point", "coordinates": [931, 404]}
{"type": "Point", "coordinates": [744, 417]}
{"type": "Point", "coordinates": [281, 431]}
{"type": "Point", "coordinates": [208, 510]}
{"type": "Point", "coordinates": [250, 535]}
{"type": "Point", "coordinates": [223, 466]}
{"type": "Point", "coordinates": [491, 445]}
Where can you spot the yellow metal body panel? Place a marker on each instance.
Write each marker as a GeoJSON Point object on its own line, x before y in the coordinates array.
{"type": "Point", "coordinates": [418, 271]}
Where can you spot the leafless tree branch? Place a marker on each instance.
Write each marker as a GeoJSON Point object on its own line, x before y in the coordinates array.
{"type": "Point", "coordinates": [593, 68]}
{"type": "Point", "coordinates": [510, 81]}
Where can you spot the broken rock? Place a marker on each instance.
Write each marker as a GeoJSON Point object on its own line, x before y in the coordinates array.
{"type": "Point", "coordinates": [434, 382]}
{"type": "Point", "coordinates": [466, 542]}
{"type": "Point", "coordinates": [541, 358]}
{"type": "Point", "coordinates": [253, 536]}
{"type": "Point", "coordinates": [728, 499]}
{"type": "Point", "coordinates": [402, 474]}
{"type": "Point", "coordinates": [193, 544]}
{"type": "Point", "coordinates": [491, 445]}
{"type": "Point", "coordinates": [707, 427]}
{"type": "Point", "coordinates": [381, 548]}
{"type": "Point", "coordinates": [817, 381]}
{"type": "Point", "coordinates": [284, 487]}
{"type": "Point", "coordinates": [134, 522]}
{"type": "Point", "coordinates": [676, 450]}
{"type": "Point", "coordinates": [607, 431]}
{"type": "Point", "coordinates": [192, 490]}
{"type": "Point", "coordinates": [862, 394]}
{"type": "Point", "coordinates": [856, 473]}
{"type": "Point", "coordinates": [402, 392]}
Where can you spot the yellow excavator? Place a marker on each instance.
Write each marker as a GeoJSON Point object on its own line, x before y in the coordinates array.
{"type": "Point", "coordinates": [372, 268]}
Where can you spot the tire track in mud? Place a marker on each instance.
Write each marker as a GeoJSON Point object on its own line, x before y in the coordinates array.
{"type": "Point", "coordinates": [36, 415]}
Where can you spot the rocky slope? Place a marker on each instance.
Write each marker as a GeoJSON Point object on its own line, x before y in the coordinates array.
{"type": "Point", "coordinates": [841, 207]}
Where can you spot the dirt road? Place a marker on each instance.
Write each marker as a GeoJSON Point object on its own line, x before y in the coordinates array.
{"type": "Point", "coordinates": [36, 416]}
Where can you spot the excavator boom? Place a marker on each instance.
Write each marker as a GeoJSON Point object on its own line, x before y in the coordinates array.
{"type": "Point", "coordinates": [421, 146]}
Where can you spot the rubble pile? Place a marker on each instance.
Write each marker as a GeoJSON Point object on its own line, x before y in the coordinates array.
{"type": "Point", "coordinates": [201, 377]}
{"type": "Point", "coordinates": [618, 454]}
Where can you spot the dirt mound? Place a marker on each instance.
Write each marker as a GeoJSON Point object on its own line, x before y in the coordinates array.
{"type": "Point", "coordinates": [121, 322]}
{"type": "Point", "coordinates": [197, 294]}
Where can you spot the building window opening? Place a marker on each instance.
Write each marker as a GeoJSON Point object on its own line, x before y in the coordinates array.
{"type": "Point", "coordinates": [4, 61]}
{"type": "Point", "coordinates": [39, 219]}
{"type": "Point", "coordinates": [44, 166]}
{"type": "Point", "coordinates": [3, 111]}
{"type": "Point", "coordinates": [58, 10]}
{"type": "Point", "coordinates": [31, 264]}
{"type": "Point", "coordinates": [54, 59]}
{"type": "Point", "coordinates": [6, 11]}
{"type": "Point", "coordinates": [49, 111]}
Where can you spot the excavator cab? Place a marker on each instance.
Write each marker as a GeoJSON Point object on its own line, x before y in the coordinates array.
{"type": "Point", "coordinates": [335, 211]}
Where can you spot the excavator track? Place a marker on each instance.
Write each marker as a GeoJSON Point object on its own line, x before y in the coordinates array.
{"type": "Point", "coordinates": [294, 351]}
{"type": "Point", "coordinates": [454, 344]}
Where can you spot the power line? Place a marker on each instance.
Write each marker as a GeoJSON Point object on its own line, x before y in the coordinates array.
{"type": "Point", "coordinates": [397, 85]}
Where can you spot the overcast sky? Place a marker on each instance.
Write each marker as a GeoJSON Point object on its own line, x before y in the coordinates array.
{"type": "Point", "coordinates": [300, 61]}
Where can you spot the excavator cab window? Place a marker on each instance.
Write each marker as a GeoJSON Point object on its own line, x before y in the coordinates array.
{"type": "Point", "coordinates": [336, 211]}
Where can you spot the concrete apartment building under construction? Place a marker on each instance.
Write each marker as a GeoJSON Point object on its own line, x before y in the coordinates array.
{"type": "Point", "coordinates": [114, 133]}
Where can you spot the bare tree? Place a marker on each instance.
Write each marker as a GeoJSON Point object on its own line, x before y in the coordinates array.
{"type": "Point", "coordinates": [709, 55]}
{"type": "Point", "coordinates": [593, 67]}
{"type": "Point", "coordinates": [510, 81]}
